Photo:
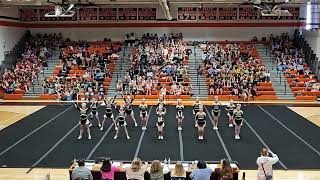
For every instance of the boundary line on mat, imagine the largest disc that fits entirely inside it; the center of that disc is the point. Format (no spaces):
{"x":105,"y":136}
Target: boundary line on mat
{"x":263,"y":142}
{"x":32,"y":132}
{"x":141,"y":137}
{"x":101,"y":139}
{"x":51,"y":149}
{"x":220,"y":138}
{"x":293,"y":133}
{"x":181,"y":147}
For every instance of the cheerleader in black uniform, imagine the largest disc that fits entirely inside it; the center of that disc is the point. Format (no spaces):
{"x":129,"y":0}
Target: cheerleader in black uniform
{"x":179,"y":115}
{"x":129,"y":110}
{"x":94,"y":111}
{"x":143,"y":114}
{"x":196,"y":106}
{"x":122,"y":124}
{"x":161,"y":111}
{"x":109,"y":102}
{"x":238,"y":121}
{"x":161,"y":102}
{"x":84,"y":121}
{"x":216,"y":108}
{"x":230,"y":108}
{"x":201,"y":122}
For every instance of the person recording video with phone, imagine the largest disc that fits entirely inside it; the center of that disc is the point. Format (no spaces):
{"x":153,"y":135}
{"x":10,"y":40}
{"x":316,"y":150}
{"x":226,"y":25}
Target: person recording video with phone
{"x":265,"y":162}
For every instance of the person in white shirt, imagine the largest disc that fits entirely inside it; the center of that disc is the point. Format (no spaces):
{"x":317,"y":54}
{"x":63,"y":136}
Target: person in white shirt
{"x":265,"y":162}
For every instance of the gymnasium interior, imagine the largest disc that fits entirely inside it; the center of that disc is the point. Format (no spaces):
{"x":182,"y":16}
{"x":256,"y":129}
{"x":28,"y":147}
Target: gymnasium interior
{"x":136,"y":76}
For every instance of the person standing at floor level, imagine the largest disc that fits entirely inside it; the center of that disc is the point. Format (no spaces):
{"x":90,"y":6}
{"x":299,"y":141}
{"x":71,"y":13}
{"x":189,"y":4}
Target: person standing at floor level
{"x":216,"y":108}
{"x":265,"y":162}
{"x":238,"y":121}
{"x":201,"y":122}
{"x":129,"y":110}
{"x":84,"y":121}
{"x":110,"y":104}
{"x":143,"y":114}
{"x":122,"y":124}
{"x":161,"y":111}
{"x":196,"y":106}
{"x":230,"y":108}
{"x":179,"y":115}
{"x":94,"y":111}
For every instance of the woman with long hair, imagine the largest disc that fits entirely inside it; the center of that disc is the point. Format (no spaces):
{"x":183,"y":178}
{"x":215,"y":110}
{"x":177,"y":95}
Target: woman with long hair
{"x":179,"y":115}
{"x":265,"y":161}
{"x":216,"y":108}
{"x":225,"y":172}
{"x":107,"y":170}
{"x":230,"y":108}
{"x":136,"y":170}
{"x":237,"y":121}
{"x":143,"y":114}
{"x":129,"y":109}
{"x":156,"y":170}
{"x":196,"y":107}
{"x":110,"y":104}
{"x":84,"y":121}
{"x":94,"y":111}
{"x":178,"y":172}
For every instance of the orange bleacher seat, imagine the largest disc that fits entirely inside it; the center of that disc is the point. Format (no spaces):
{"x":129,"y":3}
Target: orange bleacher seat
{"x":306,"y":98}
{"x":266,"y":93}
{"x":266,"y":97}
{"x":264,"y":84}
{"x":12,"y":96}
{"x":265,"y":88}
{"x":48,"y":96}
{"x":311,"y":93}
{"x":19,"y":91}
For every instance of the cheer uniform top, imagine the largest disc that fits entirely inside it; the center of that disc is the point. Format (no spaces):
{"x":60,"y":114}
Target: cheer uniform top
{"x":94,"y":108}
{"x":179,"y":111}
{"x":143,"y":109}
{"x":196,"y":107}
{"x":128,"y":107}
{"x":216,"y":109}
{"x":238,"y":117}
{"x":160,"y":121}
{"x":230,"y":109}
{"x":201,"y":118}
{"x":122,"y":119}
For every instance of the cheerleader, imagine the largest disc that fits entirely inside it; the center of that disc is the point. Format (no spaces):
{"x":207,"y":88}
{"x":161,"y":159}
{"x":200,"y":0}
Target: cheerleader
{"x":161,"y":101}
{"x":129,"y":110}
{"x":216,"y":112}
{"x":230,"y":108}
{"x":179,"y":115}
{"x":109,"y":102}
{"x":122,"y":124}
{"x":84,"y":122}
{"x":143,"y":114}
{"x":201,"y":122}
{"x":94,"y":111}
{"x":196,"y":106}
{"x":161,"y":111}
{"x":237,"y":121}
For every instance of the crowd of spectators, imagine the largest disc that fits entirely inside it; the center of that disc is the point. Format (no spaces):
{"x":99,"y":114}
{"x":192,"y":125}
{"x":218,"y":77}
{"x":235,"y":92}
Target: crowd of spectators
{"x":83,"y":68}
{"x":232,"y":70}
{"x":291,"y":61}
{"x":157,"y":63}
{"x":32,"y":60}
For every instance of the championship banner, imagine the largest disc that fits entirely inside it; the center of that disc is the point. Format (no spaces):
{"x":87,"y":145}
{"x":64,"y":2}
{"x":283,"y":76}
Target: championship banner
{"x":248,"y":13}
{"x":207,"y":14}
{"x":108,"y":14}
{"x":44,"y":11}
{"x":28,"y":14}
{"x":88,"y":14}
{"x":187,"y":14}
{"x":228,"y":13}
{"x":295,"y":11}
{"x":126,"y":14}
{"x":147,"y":13}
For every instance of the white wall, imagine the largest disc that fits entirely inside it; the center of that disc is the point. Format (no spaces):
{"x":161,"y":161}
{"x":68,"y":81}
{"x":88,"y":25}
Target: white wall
{"x":189,"y":33}
{"x":9,"y":36}
{"x":313,"y":38}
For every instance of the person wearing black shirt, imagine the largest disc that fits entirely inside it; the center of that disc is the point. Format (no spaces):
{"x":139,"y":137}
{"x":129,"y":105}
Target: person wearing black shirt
{"x":201,"y":122}
{"x":129,"y":109}
{"x":143,"y":114}
{"x":179,"y":115}
{"x":110,"y":104}
{"x":237,"y":121}
{"x":84,"y":121}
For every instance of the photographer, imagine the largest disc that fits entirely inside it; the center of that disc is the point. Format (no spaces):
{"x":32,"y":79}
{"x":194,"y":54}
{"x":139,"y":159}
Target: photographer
{"x":265,"y":162}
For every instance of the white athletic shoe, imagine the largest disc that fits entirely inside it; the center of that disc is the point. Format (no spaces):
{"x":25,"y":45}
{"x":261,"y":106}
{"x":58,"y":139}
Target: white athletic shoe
{"x":235,"y":137}
{"x":101,"y":129}
{"x":99,"y":125}
{"x":80,"y":137}
{"x":196,"y":125}
{"x":115,"y":137}
{"x":179,"y":128}
{"x":89,"y":137}
{"x":159,"y":137}
{"x":144,"y":128}
{"x":116,"y":128}
{"x":238,"y":137}
{"x":135,"y":124}
{"x":128,"y":137}
{"x":90,"y":124}
{"x":230,"y":125}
